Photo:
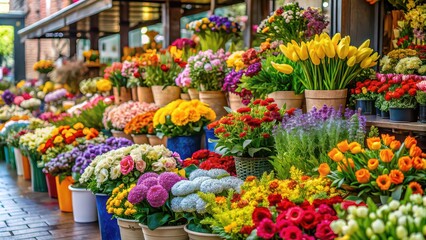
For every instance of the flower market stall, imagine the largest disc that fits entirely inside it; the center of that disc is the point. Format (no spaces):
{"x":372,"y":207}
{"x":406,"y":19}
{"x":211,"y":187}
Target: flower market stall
{"x":207,"y":140}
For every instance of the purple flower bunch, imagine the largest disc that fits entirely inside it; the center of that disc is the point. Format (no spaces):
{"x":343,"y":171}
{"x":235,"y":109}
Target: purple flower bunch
{"x":84,"y":159}
{"x":8,"y":97}
{"x":55,"y":95}
{"x":63,"y":163}
{"x":153,"y":188}
{"x":231,"y":81}
{"x":223,"y":23}
{"x":316,"y":22}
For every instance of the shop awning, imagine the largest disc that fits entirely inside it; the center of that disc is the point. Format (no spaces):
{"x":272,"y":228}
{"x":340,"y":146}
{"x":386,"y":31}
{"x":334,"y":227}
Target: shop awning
{"x":66,"y":16}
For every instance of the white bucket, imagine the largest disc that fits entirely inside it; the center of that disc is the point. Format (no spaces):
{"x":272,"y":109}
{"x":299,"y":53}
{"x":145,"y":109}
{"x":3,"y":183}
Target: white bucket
{"x":84,"y":205}
{"x":18,"y":159}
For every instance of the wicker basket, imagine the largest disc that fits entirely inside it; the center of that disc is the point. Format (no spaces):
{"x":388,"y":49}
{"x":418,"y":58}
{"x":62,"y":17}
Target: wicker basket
{"x":252,"y":166}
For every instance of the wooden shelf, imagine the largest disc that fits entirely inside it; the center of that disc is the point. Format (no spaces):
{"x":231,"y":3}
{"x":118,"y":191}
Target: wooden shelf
{"x":386,"y":123}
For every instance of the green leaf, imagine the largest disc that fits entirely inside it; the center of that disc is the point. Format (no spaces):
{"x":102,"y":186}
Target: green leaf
{"x":157,"y":220}
{"x":190,"y":169}
{"x":397,"y":193}
{"x":229,"y":110}
{"x":246,"y":143}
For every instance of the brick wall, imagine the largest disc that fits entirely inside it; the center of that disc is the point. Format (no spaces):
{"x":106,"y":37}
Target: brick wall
{"x":44,"y":48}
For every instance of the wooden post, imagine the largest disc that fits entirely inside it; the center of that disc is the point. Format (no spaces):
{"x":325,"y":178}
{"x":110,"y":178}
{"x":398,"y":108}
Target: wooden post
{"x":124,"y":25}
{"x":171,"y":14}
{"x":257,"y":10}
{"x":213,"y":4}
{"x":94,"y":32}
{"x":73,"y":39}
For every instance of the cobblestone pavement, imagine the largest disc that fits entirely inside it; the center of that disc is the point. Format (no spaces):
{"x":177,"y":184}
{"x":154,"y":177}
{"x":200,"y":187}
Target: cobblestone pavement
{"x":31,"y":215}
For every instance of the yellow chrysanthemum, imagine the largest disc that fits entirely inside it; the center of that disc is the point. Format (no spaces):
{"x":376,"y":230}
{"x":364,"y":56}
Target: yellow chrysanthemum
{"x":58,"y":139}
{"x":179,"y":117}
{"x":78,"y":126}
{"x":193,"y":115}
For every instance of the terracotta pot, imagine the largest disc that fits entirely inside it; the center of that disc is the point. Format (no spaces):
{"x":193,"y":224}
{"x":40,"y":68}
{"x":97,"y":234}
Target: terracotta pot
{"x":145,"y":95}
{"x":123,"y":96}
{"x":64,"y":193}
{"x":287,"y":98}
{"x":130,"y":229}
{"x":235,"y":101}
{"x":118,"y":134}
{"x":216,"y":100}
{"x":185,"y":96}
{"x":154,"y":140}
{"x":161,"y":233}
{"x":201,"y":236}
{"x":162,"y":97}
{"x":331,"y":98}
{"x":140,"y":139}
{"x":134,"y":93}
{"x":193,"y":93}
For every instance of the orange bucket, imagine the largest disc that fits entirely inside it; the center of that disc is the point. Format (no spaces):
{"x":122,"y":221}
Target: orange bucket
{"x":26,"y":167}
{"x":64,"y":194}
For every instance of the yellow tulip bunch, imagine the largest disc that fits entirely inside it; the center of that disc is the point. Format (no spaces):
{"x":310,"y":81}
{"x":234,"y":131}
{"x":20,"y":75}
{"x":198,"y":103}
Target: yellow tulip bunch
{"x":328,"y":63}
{"x":183,"y":118}
{"x":43,"y":66}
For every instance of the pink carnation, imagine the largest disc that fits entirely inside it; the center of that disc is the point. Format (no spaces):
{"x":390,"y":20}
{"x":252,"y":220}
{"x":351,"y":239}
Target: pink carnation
{"x":266,"y":229}
{"x":127,"y":164}
{"x":422,"y":85}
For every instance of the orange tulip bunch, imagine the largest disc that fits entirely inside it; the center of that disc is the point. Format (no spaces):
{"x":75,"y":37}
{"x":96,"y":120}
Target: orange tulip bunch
{"x":386,"y":167}
{"x":141,"y":124}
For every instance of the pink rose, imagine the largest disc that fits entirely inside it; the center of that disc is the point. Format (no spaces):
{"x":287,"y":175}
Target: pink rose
{"x":127,"y":164}
{"x":141,"y":165}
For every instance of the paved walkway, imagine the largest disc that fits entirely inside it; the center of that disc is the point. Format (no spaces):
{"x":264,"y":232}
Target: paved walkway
{"x":30,"y":215}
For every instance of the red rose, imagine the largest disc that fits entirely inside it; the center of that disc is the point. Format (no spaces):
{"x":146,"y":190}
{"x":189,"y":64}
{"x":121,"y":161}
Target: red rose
{"x":259,"y":214}
{"x":412,"y":92}
{"x":309,"y":219}
{"x":357,"y":91}
{"x":136,"y":75}
{"x":274,"y":199}
{"x":188,"y":162}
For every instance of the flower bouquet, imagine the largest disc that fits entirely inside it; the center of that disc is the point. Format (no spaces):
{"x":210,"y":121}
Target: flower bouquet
{"x":95,"y":85}
{"x":204,"y":159}
{"x":91,"y":56}
{"x":187,"y":200}
{"x":304,"y":139}
{"x":402,"y":61}
{"x":291,"y":22}
{"x":140,"y":126}
{"x":119,"y":82}
{"x":152,"y":200}
{"x":365,"y":94}
{"x":385,"y":169}
{"x":182,"y":122}
{"x":214,"y":32}
{"x":262,"y":200}
{"x":125,"y":165}
{"x":44,"y":66}
{"x":398,"y":219}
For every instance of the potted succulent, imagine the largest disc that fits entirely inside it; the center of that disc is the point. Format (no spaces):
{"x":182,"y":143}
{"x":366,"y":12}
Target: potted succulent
{"x":182,"y":123}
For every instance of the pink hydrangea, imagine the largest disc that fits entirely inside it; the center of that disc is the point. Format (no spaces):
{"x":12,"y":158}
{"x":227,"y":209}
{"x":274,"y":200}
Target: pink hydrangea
{"x":126,"y":165}
{"x":147,"y":175}
{"x":168,"y":179}
{"x":149,"y":182}
{"x":137,"y":194}
{"x":157,"y":196}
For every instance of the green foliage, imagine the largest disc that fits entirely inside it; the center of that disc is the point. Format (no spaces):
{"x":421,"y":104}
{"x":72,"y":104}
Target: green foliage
{"x":421,"y":97}
{"x":374,"y":132}
{"x":91,"y":118}
{"x":6,"y":41}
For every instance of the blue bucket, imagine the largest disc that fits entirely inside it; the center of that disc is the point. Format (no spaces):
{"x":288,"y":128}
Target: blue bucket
{"x":184,"y":145}
{"x":107,"y":225}
{"x":210,"y":136}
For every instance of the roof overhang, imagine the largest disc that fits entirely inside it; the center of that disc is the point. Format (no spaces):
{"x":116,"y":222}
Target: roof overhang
{"x":64,"y":17}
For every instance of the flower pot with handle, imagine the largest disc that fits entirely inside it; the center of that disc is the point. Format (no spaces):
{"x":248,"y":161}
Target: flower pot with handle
{"x":422,"y":113}
{"x":193,"y":93}
{"x":51,"y":185}
{"x":145,"y":95}
{"x":121,"y":134}
{"x":107,"y":225}
{"x":154,"y":140}
{"x":367,"y":106}
{"x":134,"y":91}
{"x":162,"y":97}
{"x":122,"y":95}
{"x":84,"y":205}
{"x":162,"y":233}
{"x":201,"y":236}
{"x":184,"y":145}
{"x":331,"y":98}
{"x":216,"y":100}
{"x":38,"y":179}
{"x":235,"y":101}
{"x":64,"y":193}
{"x":130,"y":229}
{"x":18,"y":160}
{"x":140,"y":139}
{"x":287,"y":98}
{"x":247,"y":166}
{"x":402,"y":114}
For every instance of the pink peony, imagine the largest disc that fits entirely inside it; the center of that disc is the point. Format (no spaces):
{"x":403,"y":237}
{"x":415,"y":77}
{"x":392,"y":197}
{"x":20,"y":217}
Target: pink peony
{"x":141,"y":165}
{"x":127,"y":164}
{"x":290,"y":233}
{"x":266,"y":229}
{"x":157,"y":196}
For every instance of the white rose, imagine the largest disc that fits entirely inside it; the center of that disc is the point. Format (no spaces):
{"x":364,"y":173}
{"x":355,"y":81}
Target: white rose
{"x":115,"y":172}
{"x":102,"y":176}
{"x":157,"y":166}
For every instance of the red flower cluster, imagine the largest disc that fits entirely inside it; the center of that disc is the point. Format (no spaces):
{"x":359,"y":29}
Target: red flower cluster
{"x":207,"y":160}
{"x":250,"y":56}
{"x":397,"y":89}
{"x":295,"y":221}
{"x":367,"y":86}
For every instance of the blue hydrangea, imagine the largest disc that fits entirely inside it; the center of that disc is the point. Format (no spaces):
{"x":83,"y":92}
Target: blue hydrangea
{"x":216,"y":173}
{"x":198,"y":173}
{"x":189,"y":203}
{"x":183,"y":188}
{"x":198,"y":181}
{"x":201,"y":206}
{"x":176,"y":204}
{"x":211,"y":186}
{"x":231,"y":182}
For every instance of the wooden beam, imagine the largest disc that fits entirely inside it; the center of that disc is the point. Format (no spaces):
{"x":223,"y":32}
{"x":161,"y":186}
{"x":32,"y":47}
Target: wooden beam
{"x":94,"y":32}
{"x":145,"y":23}
{"x":124,"y":25}
{"x":171,"y":15}
{"x":248,"y":36}
{"x":73,"y":40}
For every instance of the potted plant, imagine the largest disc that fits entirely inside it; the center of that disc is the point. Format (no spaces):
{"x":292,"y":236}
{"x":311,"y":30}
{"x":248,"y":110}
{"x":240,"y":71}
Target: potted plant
{"x":140,"y":126}
{"x":43,"y":67}
{"x":187,"y":201}
{"x":83,"y":201}
{"x":214,"y":32}
{"x":152,"y":200}
{"x":161,"y":72}
{"x":205,"y":159}
{"x":339,"y":62}
{"x":291,"y":22}
{"x":117,"y":117}
{"x":123,"y":165}
{"x":421,"y":100}
{"x":119,"y":82}
{"x":364,"y":95}
{"x":182,"y":123}
{"x":188,"y":48}
{"x":246,"y":135}
{"x":384,"y":169}
{"x":207,"y":71}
